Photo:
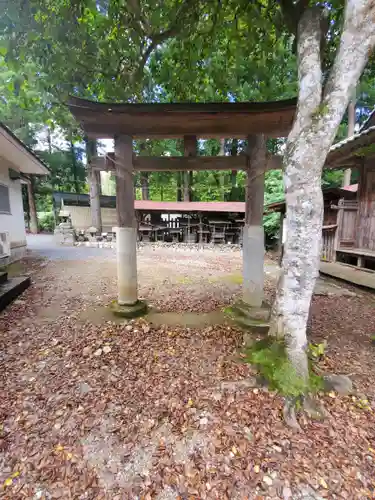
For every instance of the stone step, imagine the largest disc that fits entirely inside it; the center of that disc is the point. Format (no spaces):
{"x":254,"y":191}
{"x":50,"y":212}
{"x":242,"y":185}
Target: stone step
{"x":3,"y":277}
{"x":11,"y":289}
{"x":240,"y":309}
{"x":255,"y":326}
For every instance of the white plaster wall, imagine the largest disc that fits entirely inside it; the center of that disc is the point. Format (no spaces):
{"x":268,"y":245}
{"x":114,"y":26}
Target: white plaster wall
{"x":81,"y":217}
{"x":13,"y":223}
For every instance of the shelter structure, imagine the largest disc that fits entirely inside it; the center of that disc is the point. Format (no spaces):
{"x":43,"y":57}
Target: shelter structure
{"x":190,"y":221}
{"x":354,"y":237}
{"x":333,"y":197}
{"x":125,"y":122}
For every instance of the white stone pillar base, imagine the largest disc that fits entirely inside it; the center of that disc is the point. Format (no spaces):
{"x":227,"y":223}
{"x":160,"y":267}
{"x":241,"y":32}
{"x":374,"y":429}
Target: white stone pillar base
{"x":253,"y":265}
{"x":126,"y":243}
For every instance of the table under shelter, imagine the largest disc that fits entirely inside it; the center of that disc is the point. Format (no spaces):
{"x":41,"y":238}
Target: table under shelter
{"x":125,"y":122}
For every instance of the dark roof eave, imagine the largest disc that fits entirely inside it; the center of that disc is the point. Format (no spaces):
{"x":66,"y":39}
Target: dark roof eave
{"x":25,"y":146}
{"x":348,"y":148}
{"x":195,"y":107}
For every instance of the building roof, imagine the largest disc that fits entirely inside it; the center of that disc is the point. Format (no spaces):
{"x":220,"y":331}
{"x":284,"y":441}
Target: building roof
{"x":19,"y":156}
{"x":158,"y":206}
{"x":191,"y":206}
{"x":347,"y":192}
{"x":370,"y":122}
{"x":347,"y":149}
{"x":224,"y":119}
{"x":352,"y":187}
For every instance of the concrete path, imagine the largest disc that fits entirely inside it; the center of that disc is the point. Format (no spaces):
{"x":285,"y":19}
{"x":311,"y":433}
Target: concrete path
{"x":45,"y":246}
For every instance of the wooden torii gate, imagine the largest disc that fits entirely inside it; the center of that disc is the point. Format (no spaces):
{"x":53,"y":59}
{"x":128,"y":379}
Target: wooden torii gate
{"x":125,"y":122}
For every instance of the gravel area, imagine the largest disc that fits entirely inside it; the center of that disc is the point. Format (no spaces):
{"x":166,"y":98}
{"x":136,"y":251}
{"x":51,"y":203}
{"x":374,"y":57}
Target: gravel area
{"x":91,"y":408}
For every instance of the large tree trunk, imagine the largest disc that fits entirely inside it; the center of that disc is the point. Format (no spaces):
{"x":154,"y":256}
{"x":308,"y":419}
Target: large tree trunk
{"x":145,"y":186}
{"x":319,"y":113}
{"x":32,"y":208}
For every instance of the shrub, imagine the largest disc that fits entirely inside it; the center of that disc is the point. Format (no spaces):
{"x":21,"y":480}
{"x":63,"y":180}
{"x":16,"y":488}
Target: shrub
{"x":47,"y":222}
{"x":270,"y":358}
{"x":317,"y":351}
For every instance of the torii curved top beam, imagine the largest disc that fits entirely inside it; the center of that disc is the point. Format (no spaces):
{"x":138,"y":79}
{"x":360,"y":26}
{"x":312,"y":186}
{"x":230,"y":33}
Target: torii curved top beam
{"x":158,"y":120}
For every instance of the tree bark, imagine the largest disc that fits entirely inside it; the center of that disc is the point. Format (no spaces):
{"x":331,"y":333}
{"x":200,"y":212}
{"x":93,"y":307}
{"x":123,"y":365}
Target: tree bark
{"x":32,"y":208}
{"x":93,"y":178}
{"x":319,"y":113}
{"x":351,"y":124}
{"x":145,"y":186}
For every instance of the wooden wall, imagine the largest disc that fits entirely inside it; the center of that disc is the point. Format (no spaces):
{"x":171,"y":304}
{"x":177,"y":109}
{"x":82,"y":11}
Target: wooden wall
{"x":366,"y":214}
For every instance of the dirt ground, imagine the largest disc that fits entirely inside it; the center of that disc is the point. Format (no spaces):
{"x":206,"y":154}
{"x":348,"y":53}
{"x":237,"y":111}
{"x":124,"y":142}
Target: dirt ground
{"x":93,"y":408}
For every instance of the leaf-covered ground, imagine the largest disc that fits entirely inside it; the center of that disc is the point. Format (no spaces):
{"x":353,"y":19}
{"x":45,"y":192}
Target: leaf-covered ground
{"x":92,"y":409}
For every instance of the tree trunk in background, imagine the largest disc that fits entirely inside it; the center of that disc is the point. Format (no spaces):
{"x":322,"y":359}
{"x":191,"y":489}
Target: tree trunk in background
{"x":74,"y":165}
{"x":32,"y":208}
{"x":222,"y":174}
{"x":222,"y":147}
{"x":49,"y":140}
{"x":93,"y":177}
{"x":233,"y":174}
{"x":145,"y":186}
{"x":186,"y":177}
{"x":319,"y":113}
{"x":191,"y":182}
{"x":351,"y":125}
{"x":179,"y":186}
{"x":190,"y":149}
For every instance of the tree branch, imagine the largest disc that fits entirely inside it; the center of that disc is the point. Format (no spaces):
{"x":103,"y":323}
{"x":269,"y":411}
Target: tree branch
{"x":356,"y":44}
{"x":292,"y":13}
{"x":188,"y":6}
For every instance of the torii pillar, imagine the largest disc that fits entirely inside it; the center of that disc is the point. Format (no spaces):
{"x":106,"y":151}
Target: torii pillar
{"x":127,"y":303}
{"x":253,"y":232}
